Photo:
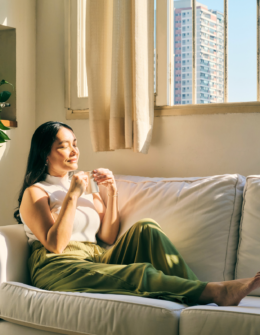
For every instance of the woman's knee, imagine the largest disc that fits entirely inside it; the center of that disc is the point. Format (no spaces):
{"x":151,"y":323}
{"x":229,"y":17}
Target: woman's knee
{"x":147,"y":222}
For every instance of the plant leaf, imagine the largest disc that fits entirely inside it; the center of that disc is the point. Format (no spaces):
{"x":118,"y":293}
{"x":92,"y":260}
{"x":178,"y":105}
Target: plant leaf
{"x":1,"y":140}
{"x":3,"y":82}
{"x":3,"y":136}
{"x":3,"y":127}
{"x":5,"y":95}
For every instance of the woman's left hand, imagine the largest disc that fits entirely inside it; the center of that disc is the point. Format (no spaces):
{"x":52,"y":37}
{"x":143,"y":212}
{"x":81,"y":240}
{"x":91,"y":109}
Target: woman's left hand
{"x":105,"y":177}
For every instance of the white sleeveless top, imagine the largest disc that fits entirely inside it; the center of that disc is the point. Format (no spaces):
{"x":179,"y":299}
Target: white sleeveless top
{"x":87,"y":220}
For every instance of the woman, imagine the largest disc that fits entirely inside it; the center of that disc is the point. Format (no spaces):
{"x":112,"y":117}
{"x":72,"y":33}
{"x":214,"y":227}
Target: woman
{"x":62,"y":224}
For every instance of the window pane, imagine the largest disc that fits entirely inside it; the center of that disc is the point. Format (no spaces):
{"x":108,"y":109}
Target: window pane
{"x":210,"y":52}
{"x":183,"y":52}
{"x":242,"y":57}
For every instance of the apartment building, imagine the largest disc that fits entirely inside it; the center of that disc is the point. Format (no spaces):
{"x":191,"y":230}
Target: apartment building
{"x":209,"y":54}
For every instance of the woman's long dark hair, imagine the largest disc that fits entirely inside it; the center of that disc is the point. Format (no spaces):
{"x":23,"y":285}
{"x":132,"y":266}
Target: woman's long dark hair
{"x":41,"y":144}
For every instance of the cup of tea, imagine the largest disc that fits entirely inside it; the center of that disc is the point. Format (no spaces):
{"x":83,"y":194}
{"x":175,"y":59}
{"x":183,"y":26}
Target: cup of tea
{"x":92,"y":184}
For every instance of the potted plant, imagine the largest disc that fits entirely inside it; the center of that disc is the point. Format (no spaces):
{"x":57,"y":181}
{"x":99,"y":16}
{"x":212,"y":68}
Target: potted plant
{"x":4,"y":96}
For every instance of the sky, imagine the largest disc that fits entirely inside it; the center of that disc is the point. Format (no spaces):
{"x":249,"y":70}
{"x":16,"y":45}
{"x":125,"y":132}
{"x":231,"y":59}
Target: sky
{"x":242,"y":55}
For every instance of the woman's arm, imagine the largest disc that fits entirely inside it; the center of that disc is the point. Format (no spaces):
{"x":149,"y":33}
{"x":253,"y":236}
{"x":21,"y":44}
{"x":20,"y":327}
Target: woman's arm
{"x":109,"y":215}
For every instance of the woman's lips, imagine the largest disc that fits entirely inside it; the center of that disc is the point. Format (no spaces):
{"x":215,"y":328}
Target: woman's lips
{"x":73,"y":160}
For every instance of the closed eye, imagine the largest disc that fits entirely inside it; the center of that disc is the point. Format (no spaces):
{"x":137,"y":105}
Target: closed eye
{"x":67,"y":147}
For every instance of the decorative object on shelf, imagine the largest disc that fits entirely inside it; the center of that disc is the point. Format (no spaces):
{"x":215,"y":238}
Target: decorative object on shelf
{"x":4,"y":96}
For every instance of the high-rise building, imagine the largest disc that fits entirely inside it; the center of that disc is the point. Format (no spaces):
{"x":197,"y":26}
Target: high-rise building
{"x":209,"y":53}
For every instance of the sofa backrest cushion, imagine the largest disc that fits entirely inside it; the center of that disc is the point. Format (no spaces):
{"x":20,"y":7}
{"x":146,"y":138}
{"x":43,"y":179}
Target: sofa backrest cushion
{"x":248,"y":253}
{"x":200,"y":216}
{"x":14,"y":253}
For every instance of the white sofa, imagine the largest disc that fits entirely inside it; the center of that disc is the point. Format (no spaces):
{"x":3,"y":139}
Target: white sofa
{"x":214,"y":222}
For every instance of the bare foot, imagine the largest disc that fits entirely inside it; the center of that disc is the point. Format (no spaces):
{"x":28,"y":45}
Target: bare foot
{"x":229,"y":293}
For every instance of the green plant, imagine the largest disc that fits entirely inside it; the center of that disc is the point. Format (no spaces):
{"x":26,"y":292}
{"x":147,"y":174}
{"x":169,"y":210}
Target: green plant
{"x":4,"y":96}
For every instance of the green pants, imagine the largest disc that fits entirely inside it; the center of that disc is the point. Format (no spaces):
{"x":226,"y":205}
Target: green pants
{"x":143,"y":262}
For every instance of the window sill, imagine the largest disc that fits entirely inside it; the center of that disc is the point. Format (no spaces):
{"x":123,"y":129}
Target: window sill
{"x":208,"y":109}
{"x":182,"y":110}
{"x":11,"y":124}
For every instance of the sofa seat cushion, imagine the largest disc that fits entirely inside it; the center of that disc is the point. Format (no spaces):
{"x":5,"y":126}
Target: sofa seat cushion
{"x":249,"y":237}
{"x":211,"y":319}
{"x":10,"y":328}
{"x":87,"y":313}
{"x":200,"y":215}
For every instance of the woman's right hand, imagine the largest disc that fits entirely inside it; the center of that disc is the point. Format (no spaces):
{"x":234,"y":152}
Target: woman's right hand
{"x":79,"y":183}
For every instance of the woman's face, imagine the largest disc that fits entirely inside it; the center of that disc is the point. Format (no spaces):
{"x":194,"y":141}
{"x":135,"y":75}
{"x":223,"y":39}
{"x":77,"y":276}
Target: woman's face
{"x":63,"y":150}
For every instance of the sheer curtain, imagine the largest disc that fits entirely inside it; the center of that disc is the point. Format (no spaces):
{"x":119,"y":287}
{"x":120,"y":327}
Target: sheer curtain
{"x":120,"y":73}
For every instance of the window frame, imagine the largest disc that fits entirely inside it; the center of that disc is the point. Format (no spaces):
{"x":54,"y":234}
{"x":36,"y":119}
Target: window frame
{"x":161,"y":101}
{"x":225,"y":104}
{"x":74,"y":38}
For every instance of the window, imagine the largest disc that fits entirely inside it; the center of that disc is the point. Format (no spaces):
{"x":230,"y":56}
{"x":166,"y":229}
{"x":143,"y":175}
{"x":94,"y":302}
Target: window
{"x":211,"y":59}
{"x":76,"y":96}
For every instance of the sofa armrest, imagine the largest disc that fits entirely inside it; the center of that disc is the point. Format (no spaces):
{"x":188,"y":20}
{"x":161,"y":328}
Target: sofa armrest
{"x":14,"y":253}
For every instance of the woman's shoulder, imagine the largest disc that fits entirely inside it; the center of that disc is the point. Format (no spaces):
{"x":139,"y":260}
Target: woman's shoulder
{"x":33,"y":193}
{"x":36,"y":188}
{"x":44,"y":186}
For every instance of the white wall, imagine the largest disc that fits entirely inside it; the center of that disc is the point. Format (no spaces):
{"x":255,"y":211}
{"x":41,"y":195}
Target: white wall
{"x":13,"y":154}
{"x":181,"y":145}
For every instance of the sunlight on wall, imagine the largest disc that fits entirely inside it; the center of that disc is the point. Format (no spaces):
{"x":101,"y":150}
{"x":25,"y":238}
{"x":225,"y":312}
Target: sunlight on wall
{"x":5,"y":22}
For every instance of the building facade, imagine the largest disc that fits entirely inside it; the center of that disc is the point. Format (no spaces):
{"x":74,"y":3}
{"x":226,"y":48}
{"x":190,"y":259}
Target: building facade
{"x":209,"y":54}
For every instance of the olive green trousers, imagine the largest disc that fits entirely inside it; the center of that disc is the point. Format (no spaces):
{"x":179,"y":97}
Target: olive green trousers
{"x":143,"y":262}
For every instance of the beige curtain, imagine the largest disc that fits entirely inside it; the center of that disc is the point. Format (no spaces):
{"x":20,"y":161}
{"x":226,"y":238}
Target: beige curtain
{"x":120,"y":73}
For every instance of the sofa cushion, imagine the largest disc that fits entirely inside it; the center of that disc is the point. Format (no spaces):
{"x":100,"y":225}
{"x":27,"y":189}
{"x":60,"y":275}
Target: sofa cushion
{"x":87,"y":313}
{"x":248,"y":253}
{"x":14,"y":253}
{"x":200,"y":215}
{"x":211,"y":319}
{"x":10,"y":328}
